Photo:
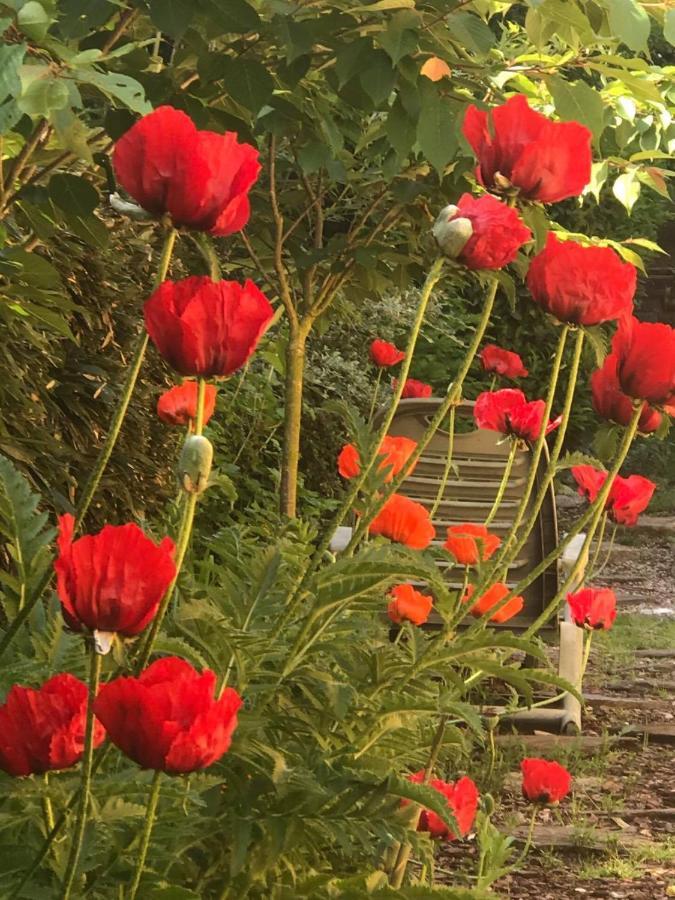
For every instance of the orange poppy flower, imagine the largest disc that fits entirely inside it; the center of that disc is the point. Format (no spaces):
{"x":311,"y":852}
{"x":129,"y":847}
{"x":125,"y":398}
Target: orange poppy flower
{"x":404,"y":521}
{"x":471,"y":544}
{"x":491,"y":598}
{"x":409,"y":605}
{"x":395,"y":450}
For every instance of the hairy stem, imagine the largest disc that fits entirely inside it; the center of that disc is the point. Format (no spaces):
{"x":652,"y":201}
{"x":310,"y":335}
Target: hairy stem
{"x":150,"y":812}
{"x":503,"y":483}
{"x":295,"y":372}
{"x":448,"y":462}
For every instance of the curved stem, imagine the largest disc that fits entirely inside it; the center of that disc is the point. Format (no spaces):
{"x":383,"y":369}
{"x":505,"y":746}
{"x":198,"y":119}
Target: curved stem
{"x":528,"y":841}
{"x":603,"y":526}
{"x":47,"y":807}
{"x":87,"y":757}
{"x":608,"y":555}
{"x":376,"y":391}
{"x":503,"y":483}
{"x":150,"y":811}
{"x":448,"y":462}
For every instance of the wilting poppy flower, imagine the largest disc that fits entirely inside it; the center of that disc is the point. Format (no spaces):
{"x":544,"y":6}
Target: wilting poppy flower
{"x":404,"y":521}
{"x":491,"y":598}
{"x":43,"y":729}
{"x":434,"y":69}
{"x":509,"y":412}
{"x":593,"y":607}
{"x":409,"y":605}
{"x":581,"y":285}
{"x":610,"y":402}
{"x":168,"y":718}
{"x":518,"y":147}
{"x":462,"y":800}
{"x":480,"y":232}
{"x":204,"y":327}
{"x":112,"y":581}
{"x":413,"y":389}
{"x":395,"y":450}
{"x":502,"y":362}
{"x":178,"y":405}
{"x":471,"y":544}
{"x":200,"y":178}
{"x":544,"y":781}
{"x":628,"y":497}
{"x":645,"y":360}
{"x":384,"y":354}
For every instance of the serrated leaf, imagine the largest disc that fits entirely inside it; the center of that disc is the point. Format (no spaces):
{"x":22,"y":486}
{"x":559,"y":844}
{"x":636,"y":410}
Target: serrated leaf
{"x":471,"y":31}
{"x":577,"y":458}
{"x":436,"y":130}
{"x":599,"y":341}
{"x":578,"y":102}
{"x":629,"y":23}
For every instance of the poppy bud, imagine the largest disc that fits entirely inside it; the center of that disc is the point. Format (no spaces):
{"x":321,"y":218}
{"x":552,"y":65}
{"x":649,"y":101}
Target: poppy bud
{"x":194,"y":465}
{"x":452,"y":231}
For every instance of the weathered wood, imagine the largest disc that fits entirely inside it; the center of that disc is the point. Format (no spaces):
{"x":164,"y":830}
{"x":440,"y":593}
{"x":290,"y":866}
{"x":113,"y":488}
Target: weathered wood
{"x":609,"y":700}
{"x":583,"y":743}
{"x":661,"y":813}
{"x":571,"y":836}
{"x":656,"y":654}
{"x":658,"y":733}
{"x":661,"y":684}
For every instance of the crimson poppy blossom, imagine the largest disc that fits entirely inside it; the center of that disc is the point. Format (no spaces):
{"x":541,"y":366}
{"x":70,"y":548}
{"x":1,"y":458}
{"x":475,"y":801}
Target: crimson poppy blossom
{"x":544,"y":781}
{"x":517,"y":147}
{"x":490,"y":599}
{"x":201,"y":179}
{"x":384,"y":354}
{"x":509,"y":412}
{"x":645,"y":361}
{"x":471,"y":544}
{"x":203,"y":327}
{"x":43,"y":729}
{"x":610,"y":402}
{"x":395,"y":450}
{"x":581,"y":285}
{"x":112,"y":581}
{"x":178,"y":405}
{"x":480,"y":232}
{"x":628,"y":497}
{"x":404,"y":521}
{"x":414,"y":390}
{"x":168,"y":718}
{"x":462,"y":799}
{"x":593,"y":607}
{"x":409,"y":605}
{"x":502,"y":362}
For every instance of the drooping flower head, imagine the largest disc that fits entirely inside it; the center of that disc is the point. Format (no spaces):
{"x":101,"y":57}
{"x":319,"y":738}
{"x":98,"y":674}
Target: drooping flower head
{"x":471,"y":544}
{"x":203,"y":327}
{"x":510,"y":412}
{"x":168,"y":718}
{"x":645,"y":360}
{"x":517,"y":147}
{"x":43,"y":729}
{"x":414,"y":390}
{"x":628,"y":497}
{"x":491,"y":598}
{"x":395,"y":450}
{"x":200,"y":178}
{"x":593,"y":607}
{"x":462,"y":798}
{"x":610,"y":402}
{"x":178,"y":405}
{"x":112,"y":581}
{"x":384,"y":354}
{"x":409,"y":605}
{"x":404,"y":521}
{"x":581,"y":285}
{"x":480,"y":232}
{"x":502,"y":362}
{"x":544,"y":781}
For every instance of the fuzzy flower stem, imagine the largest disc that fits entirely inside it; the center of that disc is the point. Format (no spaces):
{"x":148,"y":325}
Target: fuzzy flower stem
{"x":150,"y":812}
{"x":448,"y":462}
{"x":503,"y":483}
{"x":376,"y":391}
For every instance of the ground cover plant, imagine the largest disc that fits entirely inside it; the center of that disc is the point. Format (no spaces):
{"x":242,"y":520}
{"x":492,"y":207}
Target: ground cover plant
{"x":206,"y":704}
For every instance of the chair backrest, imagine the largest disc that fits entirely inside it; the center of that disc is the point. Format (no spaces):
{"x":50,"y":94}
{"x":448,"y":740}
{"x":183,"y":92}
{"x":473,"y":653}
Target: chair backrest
{"x":479,"y":458}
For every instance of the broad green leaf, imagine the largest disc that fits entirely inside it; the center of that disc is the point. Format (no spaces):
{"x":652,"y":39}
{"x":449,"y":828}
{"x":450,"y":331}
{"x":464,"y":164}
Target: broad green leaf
{"x":471,"y":31}
{"x":33,"y":20}
{"x":11,"y":57}
{"x":626,"y":189}
{"x":73,"y":194}
{"x":249,"y":83}
{"x":400,"y":37}
{"x":648,"y":245}
{"x":121,"y":87}
{"x":629,"y":23}
{"x":382,"y":6}
{"x":401,"y":130}
{"x":577,"y":102}
{"x":436,"y":130}
{"x":235,"y":16}
{"x":43,"y":95}
{"x":669,"y":26}
{"x":172,"y":16}
{"x":378,"y":77}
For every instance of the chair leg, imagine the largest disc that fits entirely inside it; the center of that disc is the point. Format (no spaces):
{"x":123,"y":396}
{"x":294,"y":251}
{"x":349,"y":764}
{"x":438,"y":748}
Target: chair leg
{"x":569,"y":668}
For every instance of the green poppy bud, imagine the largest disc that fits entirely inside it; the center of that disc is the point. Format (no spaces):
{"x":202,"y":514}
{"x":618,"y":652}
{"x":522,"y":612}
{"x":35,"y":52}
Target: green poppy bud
{"x":194,"y":466}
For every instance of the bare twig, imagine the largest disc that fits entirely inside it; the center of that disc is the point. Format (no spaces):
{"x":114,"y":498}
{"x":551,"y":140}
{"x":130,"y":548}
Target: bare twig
{"x":284,"y":287}
{"x":126,"y":18}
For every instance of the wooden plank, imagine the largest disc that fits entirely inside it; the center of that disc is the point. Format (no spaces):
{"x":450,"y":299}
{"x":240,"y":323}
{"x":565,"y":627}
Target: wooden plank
{"x":658,"y":733}
{"x":583,"y":743}
{"x":573,"y":836}
{"x":661,"y":813}
{"x":656,"y":654}
{"x":610,"y":701}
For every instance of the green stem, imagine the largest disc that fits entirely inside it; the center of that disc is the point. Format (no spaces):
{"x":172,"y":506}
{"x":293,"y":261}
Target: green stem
{"x":608,"y":555}
{"x":47,"y":807}
{"x":448,"y":462}
{"x":150,"y":811}
{"x":528,"y":841}
{"x":376,"y":391}
{"x":601,"y":536}
{"x":503,"y":483}
{"x":85,"y":790}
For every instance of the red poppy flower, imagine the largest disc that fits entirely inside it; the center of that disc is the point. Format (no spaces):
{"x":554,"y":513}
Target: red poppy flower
{"x":384,"y":354}
{"x":502,"y":362}
{"x":491,"y":598}
{"x":593,"y":607}
{"x":168,"y":718}
{"x":581,"y":285}
{"x":395,"y":450}
{"x":509,"y":412}
{"x":462,"y":799}
{"x":627,"y":498}
{"x":200,"y":178}
{"x":178,"y":405}
{"x":43,"y":729}
{"x":413,"y":389}
{"x":610,"y":402}
{"x":404,"y":521}
{"x":480,"y":232}
{"x":409,"y":605}
{"x":645,"y":360}
{"x":112,"y":581}
{"x":204,"y":327}
{"x":544,"y":781}
{"x":518,"y":147}
{"x":471,"y":544}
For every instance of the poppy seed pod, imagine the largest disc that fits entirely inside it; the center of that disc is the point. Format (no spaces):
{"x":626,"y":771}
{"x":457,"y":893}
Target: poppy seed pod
{"x":194,"y":465}
{"x":452,"y":231}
